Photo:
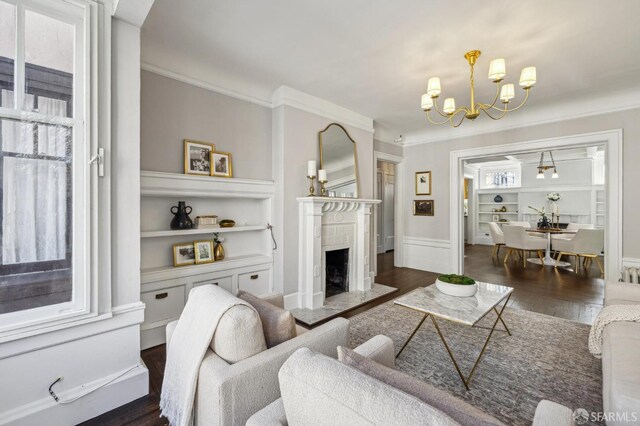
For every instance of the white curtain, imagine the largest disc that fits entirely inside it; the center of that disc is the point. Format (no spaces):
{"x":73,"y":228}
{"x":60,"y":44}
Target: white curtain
{"x":34,"y":198}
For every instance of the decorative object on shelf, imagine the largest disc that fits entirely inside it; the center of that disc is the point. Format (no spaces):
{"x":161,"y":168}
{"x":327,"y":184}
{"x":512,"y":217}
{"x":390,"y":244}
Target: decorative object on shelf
{"x":204,"y":251}
{"x":503,"y":209}
{"x":338,"y":156}
{"x":197,"y":157}
{"x":218,"y":249}
{"x":181,"y":219}
{"x":498,"y":198}
{"x":322,"y":178}
{"x":222,"y":166}
{"x":311,"y":175}
{"x":423,"y":207}
{"x":227,"y":223}
{"x":544,"y":167}
{"x":504,"y":220}
{"x":543,"y":223}
{"x":495,"y":218}
{"x":423,"y":183}
{"x":184,"y":254}
{"x":206,"y":222}
{"x":457,"y":285}
{"x":497,"y":71}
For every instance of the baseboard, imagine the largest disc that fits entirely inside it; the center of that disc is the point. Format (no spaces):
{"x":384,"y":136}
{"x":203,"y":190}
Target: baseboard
{"x":291,"y":301}
{"x":427,"y":254}
{"x":131,"y":386}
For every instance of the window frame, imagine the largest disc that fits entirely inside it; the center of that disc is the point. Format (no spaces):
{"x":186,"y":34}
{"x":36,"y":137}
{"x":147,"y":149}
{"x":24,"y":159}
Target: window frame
{"x":91,"y":198}
{"x":510,"y":167}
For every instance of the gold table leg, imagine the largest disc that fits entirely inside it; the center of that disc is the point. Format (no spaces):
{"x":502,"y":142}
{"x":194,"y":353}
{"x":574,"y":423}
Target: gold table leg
{"x":411,"y":337}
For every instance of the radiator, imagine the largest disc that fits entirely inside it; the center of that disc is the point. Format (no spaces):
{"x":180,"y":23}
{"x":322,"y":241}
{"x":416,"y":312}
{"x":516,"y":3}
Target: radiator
{"x":630,"y":274}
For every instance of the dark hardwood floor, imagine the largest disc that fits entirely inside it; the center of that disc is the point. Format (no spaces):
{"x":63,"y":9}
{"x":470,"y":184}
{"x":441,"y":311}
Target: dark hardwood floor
{"x":561,"y":293}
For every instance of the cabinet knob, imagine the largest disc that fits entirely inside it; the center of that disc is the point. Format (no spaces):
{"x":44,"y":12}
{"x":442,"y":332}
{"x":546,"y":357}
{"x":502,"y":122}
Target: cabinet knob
{"x":254,"y":277}
{"x":162,"y":295}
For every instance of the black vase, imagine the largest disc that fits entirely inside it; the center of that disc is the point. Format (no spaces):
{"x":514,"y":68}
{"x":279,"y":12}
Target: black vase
{"x":543,"y":223}
{"x":181,"y":219}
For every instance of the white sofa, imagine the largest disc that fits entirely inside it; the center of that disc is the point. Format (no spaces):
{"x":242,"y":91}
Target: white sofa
{"x":322,"y":391}
{"x":228,"y":394}
{"x":621,"y":356}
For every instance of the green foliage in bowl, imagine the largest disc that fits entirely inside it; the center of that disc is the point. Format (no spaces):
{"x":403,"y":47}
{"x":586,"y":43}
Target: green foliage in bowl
{"x":456,"y":279}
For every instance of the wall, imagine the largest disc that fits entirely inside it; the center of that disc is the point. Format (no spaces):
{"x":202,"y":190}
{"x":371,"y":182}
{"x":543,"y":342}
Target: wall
{"x":435,"y":157}
{"x":387,"y":148}
{"x":172,"y":111}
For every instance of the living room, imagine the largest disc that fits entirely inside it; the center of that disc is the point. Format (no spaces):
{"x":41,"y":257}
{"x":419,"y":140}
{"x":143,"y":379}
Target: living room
{"x":192,"y":210}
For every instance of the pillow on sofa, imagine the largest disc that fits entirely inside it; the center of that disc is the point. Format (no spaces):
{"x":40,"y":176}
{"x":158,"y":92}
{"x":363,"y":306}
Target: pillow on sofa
{"x":457,"y":409}
{"x":239,"y":334}
{"x":278,"y":325}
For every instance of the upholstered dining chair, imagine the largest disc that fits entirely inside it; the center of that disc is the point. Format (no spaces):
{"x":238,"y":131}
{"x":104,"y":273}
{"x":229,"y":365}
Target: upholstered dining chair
{"x":498,"y":238}
{"x":572,"y":227}
{"x":517,"y":239}
{"x":527,"y":225}
{"x":587,"y":243}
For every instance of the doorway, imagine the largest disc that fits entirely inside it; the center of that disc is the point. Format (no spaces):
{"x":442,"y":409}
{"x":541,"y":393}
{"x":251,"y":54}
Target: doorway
{"x":386,"y":187}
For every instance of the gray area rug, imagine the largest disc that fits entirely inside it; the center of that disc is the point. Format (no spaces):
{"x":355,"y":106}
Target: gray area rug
{"x":545,"y":358}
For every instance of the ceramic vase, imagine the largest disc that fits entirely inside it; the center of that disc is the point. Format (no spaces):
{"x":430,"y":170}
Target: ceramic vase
{"x":218,"y":252}
{"x":181,"y":219}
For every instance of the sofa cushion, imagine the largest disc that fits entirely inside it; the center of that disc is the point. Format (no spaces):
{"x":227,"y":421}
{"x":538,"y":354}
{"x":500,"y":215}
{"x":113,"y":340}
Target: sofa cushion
{"x":458,"y":410}
{"x":318,"y":390}
{"x":239,"y":334}
{"x":278,"y":325}
{"x":621,"y":367}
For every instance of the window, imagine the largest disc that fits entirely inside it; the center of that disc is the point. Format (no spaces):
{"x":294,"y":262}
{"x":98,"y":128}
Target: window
{"x":500,"y":177}
{"x":44,"y":162}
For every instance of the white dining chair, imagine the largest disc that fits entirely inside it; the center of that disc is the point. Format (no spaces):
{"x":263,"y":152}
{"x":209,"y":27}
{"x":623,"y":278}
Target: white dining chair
{"x":498,"y":238}
{"x":587,"y":243}
{"x":572,"y":227}
{"x":517,"y":239}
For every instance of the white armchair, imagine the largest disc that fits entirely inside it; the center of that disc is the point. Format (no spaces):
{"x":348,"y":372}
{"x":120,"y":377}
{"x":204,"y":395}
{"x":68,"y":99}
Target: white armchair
{"x":587,"y":243}
{"x":572,"y":227}
{"x":498,"y":238}
{"x":517,"y":239}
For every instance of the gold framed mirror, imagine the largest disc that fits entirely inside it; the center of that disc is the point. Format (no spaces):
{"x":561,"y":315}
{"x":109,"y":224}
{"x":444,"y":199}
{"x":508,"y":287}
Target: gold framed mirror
{"x":338,"y":157}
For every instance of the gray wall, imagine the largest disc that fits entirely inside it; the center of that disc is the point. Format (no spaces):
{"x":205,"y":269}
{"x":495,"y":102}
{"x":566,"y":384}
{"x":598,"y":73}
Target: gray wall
{"x":387,"y":148}
{"x":435,"y":157}
{"x":172,"y":111}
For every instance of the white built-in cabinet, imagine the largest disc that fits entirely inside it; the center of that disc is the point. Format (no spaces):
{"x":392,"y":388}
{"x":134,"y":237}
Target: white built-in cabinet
{"x":248,"y":264}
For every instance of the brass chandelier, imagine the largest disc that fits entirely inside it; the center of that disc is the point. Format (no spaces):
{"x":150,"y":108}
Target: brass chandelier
{"x":505,"y":92}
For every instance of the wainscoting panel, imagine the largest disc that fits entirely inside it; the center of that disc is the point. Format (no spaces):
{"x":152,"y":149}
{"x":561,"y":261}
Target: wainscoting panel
{"x":427,"y":254}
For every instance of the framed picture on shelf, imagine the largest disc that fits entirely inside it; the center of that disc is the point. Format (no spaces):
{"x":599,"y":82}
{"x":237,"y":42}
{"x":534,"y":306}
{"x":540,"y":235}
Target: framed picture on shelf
{"x":221,"y":162}
{"x":495,"y":218}
{"x":197,"y":157}
{"x":203,"y":251}
{"x":184,"y":254}
{"x":423,"y":207}
{"x":423,"y":183}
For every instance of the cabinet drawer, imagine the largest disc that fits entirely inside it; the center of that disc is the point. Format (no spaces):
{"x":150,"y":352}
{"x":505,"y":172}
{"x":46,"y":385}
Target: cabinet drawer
{"x":224,"y":282}
{"x":256,"y":282}
{"x":163,"y":304}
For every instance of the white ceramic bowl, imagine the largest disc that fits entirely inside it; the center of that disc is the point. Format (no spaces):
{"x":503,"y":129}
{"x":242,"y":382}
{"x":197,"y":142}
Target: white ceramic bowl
{"x":457,"y":290}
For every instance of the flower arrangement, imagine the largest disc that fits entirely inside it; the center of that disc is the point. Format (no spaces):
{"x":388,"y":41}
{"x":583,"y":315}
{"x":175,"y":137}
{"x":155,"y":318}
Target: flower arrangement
{"x":554,"y":196}
{"x":541,"y":211}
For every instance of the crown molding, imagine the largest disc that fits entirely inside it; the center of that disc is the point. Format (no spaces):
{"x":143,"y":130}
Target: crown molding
{"x":132,"y":11}
{"x":552,"y":113}
{"x":203,"y":84}
{"x":286,"y":96}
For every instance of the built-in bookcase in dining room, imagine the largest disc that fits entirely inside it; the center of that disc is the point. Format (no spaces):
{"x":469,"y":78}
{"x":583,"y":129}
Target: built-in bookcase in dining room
{"x":248,"y":262}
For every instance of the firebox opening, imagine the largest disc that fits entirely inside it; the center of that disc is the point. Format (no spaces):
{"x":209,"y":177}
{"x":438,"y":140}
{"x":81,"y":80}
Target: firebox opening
{"x":337,"y":272}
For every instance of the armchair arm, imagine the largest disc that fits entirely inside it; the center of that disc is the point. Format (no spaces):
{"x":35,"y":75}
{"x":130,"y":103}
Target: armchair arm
{"x":229,"y":394}
{"x":552,"y":414}
{"x":621,"y":291}
{"x":380,"y":349}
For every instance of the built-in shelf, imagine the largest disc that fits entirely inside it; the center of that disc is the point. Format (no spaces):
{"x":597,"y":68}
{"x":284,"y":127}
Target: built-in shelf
{"x":494,"y":203}
{"x":512,"y":213}
{"x":180,"y":232}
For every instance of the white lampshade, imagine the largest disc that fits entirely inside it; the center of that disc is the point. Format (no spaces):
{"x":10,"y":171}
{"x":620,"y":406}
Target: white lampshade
{"x":555,"y":174}
{"x":540,"y":175}
{"x":528,"y":77}
{"x":427,"y":102}
{"x":449,"y":106}
{"x":497,"y":70}
{"x":433,"y":87}
{"x":507,"y":93}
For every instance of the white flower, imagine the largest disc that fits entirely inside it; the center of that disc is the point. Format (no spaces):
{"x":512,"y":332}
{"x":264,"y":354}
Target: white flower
{"x":554,"y":196}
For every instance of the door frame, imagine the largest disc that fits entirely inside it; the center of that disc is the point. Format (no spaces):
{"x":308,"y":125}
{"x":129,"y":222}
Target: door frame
{"x":612,"y":141}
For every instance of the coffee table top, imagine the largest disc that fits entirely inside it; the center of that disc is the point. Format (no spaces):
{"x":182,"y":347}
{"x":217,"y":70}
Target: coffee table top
{"x":465,"y":310}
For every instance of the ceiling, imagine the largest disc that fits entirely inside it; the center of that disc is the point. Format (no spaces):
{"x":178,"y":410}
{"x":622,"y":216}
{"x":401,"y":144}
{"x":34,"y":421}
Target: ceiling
{"x":375,"y":56}
{"x":565,"y":154}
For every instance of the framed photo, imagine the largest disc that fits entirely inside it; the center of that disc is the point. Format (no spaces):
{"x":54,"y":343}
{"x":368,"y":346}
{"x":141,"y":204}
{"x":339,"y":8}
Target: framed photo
{"x":204,"y":251}
{"x":423,"y":207}
{"x":197,"y":157}
{"x":423,"y":183}
{"x":184,"y":254}
{"x":495,"y":218}
{"x":221,"y":162}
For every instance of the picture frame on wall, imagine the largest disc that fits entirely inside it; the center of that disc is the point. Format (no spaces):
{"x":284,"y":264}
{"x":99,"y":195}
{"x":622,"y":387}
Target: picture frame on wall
{"x":423,"y":207}
{"x":203,"y":251}
{"x":184,"y":254}
{"x":221,"y":162}
{"x":423,"y":183}
{"x":197,"y":157}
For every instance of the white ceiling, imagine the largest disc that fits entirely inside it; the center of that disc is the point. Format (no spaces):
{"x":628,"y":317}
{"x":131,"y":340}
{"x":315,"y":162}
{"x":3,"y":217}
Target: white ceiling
{"x":375,"y":56}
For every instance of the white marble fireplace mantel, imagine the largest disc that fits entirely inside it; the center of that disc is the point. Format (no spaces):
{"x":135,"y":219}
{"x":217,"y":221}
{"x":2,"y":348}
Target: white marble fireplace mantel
{"x":328,"y":224}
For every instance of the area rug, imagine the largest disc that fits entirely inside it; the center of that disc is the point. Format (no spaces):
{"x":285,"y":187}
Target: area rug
{"x":545,"y":358}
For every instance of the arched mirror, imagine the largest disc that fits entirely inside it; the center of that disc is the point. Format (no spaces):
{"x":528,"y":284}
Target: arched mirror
{"x":338,"y":157}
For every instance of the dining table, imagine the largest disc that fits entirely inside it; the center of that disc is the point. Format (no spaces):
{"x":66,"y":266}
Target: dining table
{"x":548,"y":260}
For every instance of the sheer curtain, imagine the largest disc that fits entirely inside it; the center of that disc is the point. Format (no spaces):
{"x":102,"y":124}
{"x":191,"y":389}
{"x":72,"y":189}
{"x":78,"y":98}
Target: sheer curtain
{"x":34,"y":189}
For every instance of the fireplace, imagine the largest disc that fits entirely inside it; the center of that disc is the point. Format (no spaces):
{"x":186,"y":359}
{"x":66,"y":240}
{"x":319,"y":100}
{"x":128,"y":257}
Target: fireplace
{"x":336,"y":272}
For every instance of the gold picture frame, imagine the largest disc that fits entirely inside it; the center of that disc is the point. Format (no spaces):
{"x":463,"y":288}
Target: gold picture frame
{"x":222,"y":164}
{"x":423,"y":208}
{"x":184,"y":254}
{"x":197,"y":157}
{"x":203,"y":251}
{"x":423,"y":183}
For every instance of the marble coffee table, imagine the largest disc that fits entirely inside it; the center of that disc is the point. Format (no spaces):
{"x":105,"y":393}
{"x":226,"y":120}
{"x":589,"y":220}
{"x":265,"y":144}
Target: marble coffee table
{"x":463,"y":310}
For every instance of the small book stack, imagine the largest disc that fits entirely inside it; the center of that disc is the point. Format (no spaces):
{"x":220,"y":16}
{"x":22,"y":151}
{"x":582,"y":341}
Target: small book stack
{"x":205,"y":222}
